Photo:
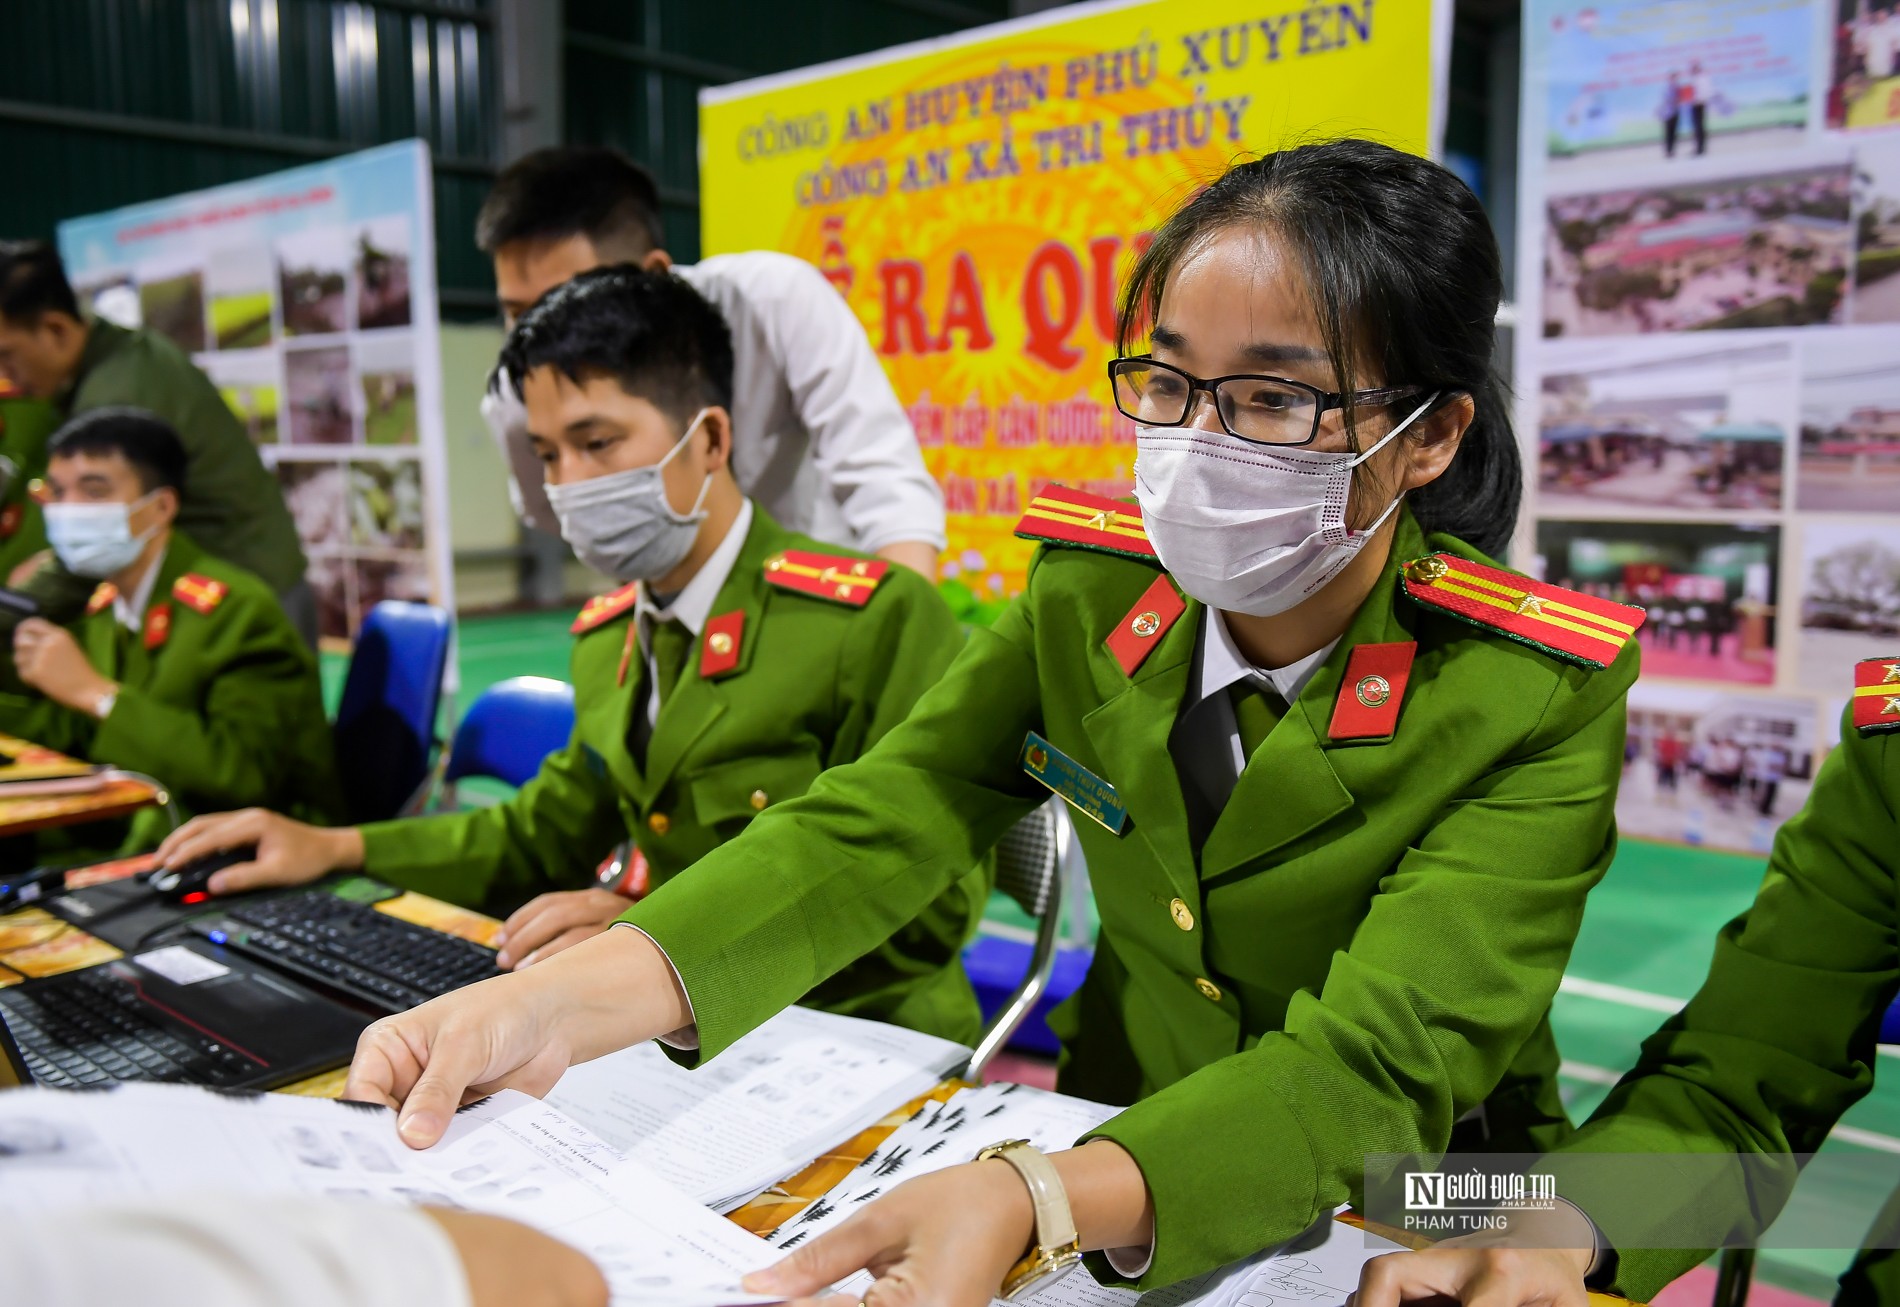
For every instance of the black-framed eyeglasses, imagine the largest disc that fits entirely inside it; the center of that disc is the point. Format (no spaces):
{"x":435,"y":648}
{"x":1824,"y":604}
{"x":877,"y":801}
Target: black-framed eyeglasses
{"x":1266,"y":410}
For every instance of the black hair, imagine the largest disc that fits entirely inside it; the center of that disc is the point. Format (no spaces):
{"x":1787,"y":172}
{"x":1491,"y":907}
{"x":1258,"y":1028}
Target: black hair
{"x":33,"y":283}
{"x":1404,"y":275}
{"x":650,"y":331}
{"x":145,"y":440}
{"x":574,"y":190}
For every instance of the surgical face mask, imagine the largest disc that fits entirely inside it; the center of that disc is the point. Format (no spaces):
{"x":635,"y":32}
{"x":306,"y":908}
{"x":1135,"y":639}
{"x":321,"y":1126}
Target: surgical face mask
{"x":621,"y":524}
{"x":1250,"y":528}
{"x":95,"y":540}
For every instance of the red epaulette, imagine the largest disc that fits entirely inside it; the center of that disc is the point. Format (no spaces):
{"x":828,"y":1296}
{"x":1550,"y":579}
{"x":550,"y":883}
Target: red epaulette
{"x":829,"y":576}
{"x":1060,"y":515}
{"x":1877,"y":695}
{"x":8,"y":390}
{"x":1578,"y":627}
{"x":102,"y":598}
{"x":201,"y":594}
{"x":602,"y":609}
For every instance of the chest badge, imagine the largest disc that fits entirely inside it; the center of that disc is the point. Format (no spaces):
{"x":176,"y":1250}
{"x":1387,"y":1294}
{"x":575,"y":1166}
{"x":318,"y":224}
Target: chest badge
{"x":1142,"y":626}
{"x":1079,"y":787}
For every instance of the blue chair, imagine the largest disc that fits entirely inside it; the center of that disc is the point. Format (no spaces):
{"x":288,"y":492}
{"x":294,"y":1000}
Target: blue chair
{"x":385,"y":725}
{"x":509,"y":729}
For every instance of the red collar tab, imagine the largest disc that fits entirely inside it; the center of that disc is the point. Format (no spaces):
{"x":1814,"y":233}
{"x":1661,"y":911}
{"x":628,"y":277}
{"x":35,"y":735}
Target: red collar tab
{"x":602,"y":609}
{"x":1373,"y":692}
{"x":719,"y":646}
{"x":1576,"y":627}
{"x":1059,"y":515}
{"x":1142,"y":626}
{"x":837,"y":577}
{"x":1877,"y":695}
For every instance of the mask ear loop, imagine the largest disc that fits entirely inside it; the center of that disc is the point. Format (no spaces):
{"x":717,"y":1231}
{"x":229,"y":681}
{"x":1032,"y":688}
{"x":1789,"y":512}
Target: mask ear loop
{"x":1385,"y":440}
{"x":693,"y":514}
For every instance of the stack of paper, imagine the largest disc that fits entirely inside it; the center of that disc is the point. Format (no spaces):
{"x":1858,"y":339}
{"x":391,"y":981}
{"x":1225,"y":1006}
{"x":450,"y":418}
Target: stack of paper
{"x":802,"y":1083}
{"x":510,"y":1155}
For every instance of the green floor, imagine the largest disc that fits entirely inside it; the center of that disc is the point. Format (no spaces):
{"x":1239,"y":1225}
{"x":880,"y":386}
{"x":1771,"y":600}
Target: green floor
{"x":1648,"y":931}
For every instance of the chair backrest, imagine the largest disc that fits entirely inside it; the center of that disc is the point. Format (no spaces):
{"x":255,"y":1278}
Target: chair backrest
{"x":510,"y":728}
{"x":1030,"y":859}
{"x":385,"y":724}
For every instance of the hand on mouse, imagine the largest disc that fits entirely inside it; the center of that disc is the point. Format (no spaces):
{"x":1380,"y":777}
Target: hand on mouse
{"x":288,"y":852}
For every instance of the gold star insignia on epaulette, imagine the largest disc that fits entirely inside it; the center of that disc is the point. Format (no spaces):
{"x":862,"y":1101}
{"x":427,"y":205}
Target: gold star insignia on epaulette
{"x":1531,"y":604}
{"x":1892,"y":706}
{"x":1893,"y":674}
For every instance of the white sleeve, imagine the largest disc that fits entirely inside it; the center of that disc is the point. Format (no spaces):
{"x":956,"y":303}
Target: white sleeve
{"x":507,"y":419}
{"x":861,"y":439}
{"x":220,"y":1251}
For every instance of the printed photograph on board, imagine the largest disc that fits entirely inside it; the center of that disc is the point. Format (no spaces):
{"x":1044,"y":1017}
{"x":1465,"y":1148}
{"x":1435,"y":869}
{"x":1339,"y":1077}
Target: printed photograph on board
{"x":1634,"y":81}
{"x":1714,"y":767}
{"x":239,"y":284}
{"x":386,"y":503}
{"x":172,"y":303}
{"x":318,"y":495}
{"x":1763,"y":250}
{"x":248,"y":382}
{"x":402,"y":576}
{"x":1850,"y":597}
{"x":313,"y":281}
{"x":1710,"y":589}
{"x":321,"y":395}
{"x":1849,"y":456}
{"x":1689,"y":423}
{"x":1864,"y":72}
{"x":385,"y":367}
{"x":333,"y":577}
{"x":382,"y":273}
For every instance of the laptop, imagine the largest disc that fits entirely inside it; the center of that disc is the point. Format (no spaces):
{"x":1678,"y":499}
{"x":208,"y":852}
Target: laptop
{"x":192,"y":1012}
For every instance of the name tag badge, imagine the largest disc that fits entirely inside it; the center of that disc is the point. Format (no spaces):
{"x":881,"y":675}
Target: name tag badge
{"x":1084,"y":791}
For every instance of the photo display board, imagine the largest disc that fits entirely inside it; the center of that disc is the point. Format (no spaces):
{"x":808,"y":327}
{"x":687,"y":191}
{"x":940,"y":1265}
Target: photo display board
{"x":1708,"y":374}
{"x":309,"y":298}
{"x":977,"y":200}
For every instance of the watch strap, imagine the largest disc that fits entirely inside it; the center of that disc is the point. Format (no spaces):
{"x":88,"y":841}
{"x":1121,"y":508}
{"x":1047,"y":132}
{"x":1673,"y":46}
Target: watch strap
{"x":1055,"y":1222}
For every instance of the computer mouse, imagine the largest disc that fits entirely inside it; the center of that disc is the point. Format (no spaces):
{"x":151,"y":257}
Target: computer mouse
{"x":190,"y":881}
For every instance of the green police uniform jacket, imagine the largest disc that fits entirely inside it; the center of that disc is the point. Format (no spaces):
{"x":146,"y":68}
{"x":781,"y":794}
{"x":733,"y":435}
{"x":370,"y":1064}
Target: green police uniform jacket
{"x":218,"y":696}
{"x":232,"y":506}
{"x":1370,"y":939}
{"x":1777,"y":1044}
{"x":781,"y":686}
{"x":25,"y":427}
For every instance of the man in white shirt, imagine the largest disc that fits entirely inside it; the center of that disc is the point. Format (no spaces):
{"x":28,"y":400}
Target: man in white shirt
{"x":819,"y":437}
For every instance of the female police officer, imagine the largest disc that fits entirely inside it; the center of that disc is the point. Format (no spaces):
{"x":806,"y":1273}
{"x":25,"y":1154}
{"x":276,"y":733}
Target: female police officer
{"x":1351,"y":783}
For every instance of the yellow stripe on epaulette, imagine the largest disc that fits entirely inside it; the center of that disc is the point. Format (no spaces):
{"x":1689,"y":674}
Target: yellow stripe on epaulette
{"x":201,"y":594}
{"x":836,"y":577}
{"x":602,"y":609}
{"x":1061,"y":515}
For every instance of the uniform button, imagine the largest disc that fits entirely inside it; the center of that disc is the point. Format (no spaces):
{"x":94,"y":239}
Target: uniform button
{"x":659,"y":824}
{"x":759,"y":800}
{"x":1209,"y":990}
{"x":1182,"y":916}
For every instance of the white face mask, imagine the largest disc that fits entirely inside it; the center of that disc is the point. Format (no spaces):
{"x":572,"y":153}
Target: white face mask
{"x":1250,"y":528}
{"x":621,"y":524}
{"x":95,"y":540}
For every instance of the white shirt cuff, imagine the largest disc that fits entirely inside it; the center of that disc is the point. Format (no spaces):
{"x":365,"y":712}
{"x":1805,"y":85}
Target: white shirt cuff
{"x":686,"y":1038}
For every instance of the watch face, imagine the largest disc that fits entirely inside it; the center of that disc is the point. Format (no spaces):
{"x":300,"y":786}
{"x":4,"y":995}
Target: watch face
{"x":1037,"y":1272}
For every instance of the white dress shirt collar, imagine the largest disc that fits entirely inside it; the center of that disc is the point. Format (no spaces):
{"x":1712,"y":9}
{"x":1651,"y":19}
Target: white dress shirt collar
{"x":130,"y":609}
{"x":1222,"y":663}
{"x":692,"y":606}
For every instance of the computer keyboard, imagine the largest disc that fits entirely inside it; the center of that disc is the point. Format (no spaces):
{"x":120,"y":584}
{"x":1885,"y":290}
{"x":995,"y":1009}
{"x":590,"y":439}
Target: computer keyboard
{"x":89,"y":1029}
{"x":352,"y":947}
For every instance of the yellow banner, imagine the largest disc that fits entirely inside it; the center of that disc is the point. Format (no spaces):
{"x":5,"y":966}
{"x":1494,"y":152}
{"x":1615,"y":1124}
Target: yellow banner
{"x":978,"y":199}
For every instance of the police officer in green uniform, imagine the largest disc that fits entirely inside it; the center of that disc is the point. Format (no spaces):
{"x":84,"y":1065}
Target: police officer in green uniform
{"x":183,"y":666}
{"x":25,"y":426}
{"x":236,"y":510}
{"x":740,"y":662}
{"x":1774,"y":1048}
{"x":1350,"y":782}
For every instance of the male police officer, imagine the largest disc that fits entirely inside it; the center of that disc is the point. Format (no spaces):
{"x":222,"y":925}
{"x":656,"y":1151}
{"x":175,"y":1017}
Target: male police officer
{"x":820,"y":440}
{"x":50,"y":350}
{"x":740,"y":662}
{"x":183,"y":666}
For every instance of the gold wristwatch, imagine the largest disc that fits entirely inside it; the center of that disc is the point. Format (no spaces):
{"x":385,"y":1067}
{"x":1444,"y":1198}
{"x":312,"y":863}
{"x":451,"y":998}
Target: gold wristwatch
{"x":1056,"y":1250}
